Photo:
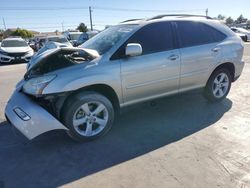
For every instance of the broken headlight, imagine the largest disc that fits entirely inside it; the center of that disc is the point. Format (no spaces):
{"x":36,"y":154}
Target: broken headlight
{"x":35,"y":86}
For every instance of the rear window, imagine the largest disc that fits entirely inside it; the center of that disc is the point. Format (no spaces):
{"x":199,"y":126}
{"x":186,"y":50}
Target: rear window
{"x":57,"y":39}
{"x":14,"y":43}
{"x":195,"y":33}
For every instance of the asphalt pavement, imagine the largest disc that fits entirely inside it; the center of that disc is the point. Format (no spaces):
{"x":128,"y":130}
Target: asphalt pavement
{"x":180,"y":141}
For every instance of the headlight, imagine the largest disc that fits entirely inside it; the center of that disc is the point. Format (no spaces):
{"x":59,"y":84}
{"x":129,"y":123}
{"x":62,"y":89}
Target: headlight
{"x":35,"y":86}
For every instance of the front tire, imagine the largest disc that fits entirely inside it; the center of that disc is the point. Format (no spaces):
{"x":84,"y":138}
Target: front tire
{"x":218,"y":85}
{"x":88,"y":115}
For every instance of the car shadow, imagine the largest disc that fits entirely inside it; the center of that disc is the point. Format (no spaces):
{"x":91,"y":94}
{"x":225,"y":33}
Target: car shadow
{"x":53,"y":159}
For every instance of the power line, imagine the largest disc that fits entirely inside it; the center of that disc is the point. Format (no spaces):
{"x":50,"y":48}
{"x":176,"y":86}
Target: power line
{"x":144,"y":10}
{"x":81,"y":16}
{"x":59,"y":26}
{"x":24,"y":23}
{"x":41,"y":8}
{"x":95,"y":7}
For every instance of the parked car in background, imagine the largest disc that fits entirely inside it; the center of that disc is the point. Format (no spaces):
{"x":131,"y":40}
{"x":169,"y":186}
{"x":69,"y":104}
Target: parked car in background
{"x":54,"y":38}
{"x":242,"y":36}
{"x":80,"y":90}
{"x":59,"y":39}
{"x":14,"y":50}
{"x":242,"y":31}
{"x":72,"y":36}
{"x":47,"y":46}
{"x":85,"y":36}
{"x":39,"y":42}
{"x":32,"y":43}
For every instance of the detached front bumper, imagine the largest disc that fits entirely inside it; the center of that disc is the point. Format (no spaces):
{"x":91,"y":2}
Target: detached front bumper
{"x":28,"y":117}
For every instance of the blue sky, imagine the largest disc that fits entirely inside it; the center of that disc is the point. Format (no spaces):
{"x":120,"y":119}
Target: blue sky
{"x":21,"y":13}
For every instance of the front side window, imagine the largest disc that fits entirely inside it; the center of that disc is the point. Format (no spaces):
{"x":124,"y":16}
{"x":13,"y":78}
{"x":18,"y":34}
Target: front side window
{"x":196,"y":33}
{"x":156,"y":37}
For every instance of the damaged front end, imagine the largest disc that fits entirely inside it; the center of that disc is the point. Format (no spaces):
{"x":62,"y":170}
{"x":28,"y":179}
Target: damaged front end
{"x":30,"y":110}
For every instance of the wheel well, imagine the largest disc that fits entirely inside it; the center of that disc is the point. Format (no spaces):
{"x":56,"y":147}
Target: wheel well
{"x":103,"y":89}
{"x":229,"y":66}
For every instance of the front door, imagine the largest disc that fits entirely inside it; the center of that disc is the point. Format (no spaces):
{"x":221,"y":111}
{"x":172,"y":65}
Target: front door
{"x":155,"y":72}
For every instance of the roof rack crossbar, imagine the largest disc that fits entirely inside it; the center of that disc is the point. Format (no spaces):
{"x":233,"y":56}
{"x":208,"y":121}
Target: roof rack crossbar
{"x":177,"y":15}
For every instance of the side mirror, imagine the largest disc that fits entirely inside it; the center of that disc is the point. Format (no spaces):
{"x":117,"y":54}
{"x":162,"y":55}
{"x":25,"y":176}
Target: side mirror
{"x":133,"y":49}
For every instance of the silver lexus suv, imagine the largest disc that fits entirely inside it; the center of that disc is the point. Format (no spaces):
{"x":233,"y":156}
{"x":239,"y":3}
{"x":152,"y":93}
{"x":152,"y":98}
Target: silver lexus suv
{"x":81,"y":89}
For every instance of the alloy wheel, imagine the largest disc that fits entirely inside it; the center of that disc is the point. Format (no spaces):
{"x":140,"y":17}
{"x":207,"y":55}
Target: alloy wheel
{"x":90,"y":118}
{"x":220,"y":85}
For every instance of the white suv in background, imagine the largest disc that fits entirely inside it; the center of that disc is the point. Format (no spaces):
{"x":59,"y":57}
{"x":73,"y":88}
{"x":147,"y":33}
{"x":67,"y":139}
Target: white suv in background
{"x":15,"y":50}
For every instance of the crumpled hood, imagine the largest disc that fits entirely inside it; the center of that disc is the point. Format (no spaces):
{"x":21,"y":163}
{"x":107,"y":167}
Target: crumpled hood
{"x":53,"y":59}
{"x":15,"y":49}
{"x":50,"y":51}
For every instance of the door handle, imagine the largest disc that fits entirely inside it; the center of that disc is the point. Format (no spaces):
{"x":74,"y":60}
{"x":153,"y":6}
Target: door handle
{"x":216,"y":49}
{"x":173,"y":57}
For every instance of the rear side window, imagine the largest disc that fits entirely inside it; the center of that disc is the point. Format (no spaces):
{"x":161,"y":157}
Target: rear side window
{"x":153,"y":38}
{"x":195,"y":33}
{"x":217,"y":36}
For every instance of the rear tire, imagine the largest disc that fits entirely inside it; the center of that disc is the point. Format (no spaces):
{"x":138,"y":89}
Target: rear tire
{"x":88,"y":116}
{"x":218,"y":85}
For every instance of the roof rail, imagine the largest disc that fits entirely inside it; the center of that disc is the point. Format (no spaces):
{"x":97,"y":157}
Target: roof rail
{"x":177,"y":15}
{"x":130,"y":20}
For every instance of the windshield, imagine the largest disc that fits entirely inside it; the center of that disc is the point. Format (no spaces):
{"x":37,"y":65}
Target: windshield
{"x":14,"y":43}
{"x":57,"y":39}
{"x":103,"y":41}
{"x":74,"y":36}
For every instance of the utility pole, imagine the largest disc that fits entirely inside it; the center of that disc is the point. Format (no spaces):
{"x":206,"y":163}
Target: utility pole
{"x":62,"y":27}
{"x":4,"y":24}
{"x":90,"y":18}
{"x":207,"y":12}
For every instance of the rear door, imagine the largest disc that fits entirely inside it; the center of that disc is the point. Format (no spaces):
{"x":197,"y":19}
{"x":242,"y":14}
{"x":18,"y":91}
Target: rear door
{"x":200,"y":50}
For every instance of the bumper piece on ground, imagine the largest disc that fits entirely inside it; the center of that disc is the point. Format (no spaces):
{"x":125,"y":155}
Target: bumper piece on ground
{"x":30,"y":118}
